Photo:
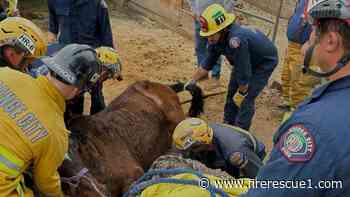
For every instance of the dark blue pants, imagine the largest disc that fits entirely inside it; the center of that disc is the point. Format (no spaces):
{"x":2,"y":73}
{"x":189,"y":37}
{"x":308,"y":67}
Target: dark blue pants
{"x":242,"y":117}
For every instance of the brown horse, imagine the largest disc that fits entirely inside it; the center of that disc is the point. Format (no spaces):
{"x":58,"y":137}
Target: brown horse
{"x":121,"y":142}
{"x":76,"y":179}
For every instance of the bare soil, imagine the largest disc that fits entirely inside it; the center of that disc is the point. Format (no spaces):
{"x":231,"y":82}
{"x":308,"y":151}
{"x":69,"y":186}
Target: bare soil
{"x":150,"y":52}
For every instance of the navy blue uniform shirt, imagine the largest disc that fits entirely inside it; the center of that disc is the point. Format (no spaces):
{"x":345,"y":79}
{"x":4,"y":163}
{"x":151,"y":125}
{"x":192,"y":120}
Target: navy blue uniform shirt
{"x":247,"y":49}
{"x":312,"y":146}
{"x":80,"y":21}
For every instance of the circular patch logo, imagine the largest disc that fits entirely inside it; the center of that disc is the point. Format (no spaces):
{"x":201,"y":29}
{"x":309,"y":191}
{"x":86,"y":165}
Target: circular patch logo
{"x":235,"y":42}
{"x":294,"y":143}
{"x":297,"y":145}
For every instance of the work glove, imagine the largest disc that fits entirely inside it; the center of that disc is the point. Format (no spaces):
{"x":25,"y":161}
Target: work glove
{"x":238,"y":98}
{"x":190,"y":83}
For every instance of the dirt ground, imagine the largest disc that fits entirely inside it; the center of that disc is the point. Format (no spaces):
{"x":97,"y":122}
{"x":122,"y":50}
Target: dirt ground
{"x":150,"y":52}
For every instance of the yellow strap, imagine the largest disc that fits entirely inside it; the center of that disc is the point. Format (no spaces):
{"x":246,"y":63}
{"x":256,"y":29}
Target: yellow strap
{"x":19,"y":190}
{"x":9,"y":163}
{"x":20,"y":187}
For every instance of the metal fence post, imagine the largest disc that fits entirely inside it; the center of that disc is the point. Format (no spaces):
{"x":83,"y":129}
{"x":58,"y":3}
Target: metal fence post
{"x":275,"y":30}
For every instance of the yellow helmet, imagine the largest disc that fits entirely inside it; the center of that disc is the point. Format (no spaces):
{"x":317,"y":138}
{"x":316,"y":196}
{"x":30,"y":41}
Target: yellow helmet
{"x":110,"y":59}
{"x":23,"y":34}
{"x":214,"y":19}
{"x":191,"y":131}
{"x":11,"y":7}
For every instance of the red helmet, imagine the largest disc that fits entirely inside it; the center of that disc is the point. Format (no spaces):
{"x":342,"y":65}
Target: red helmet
{"x":337,"y":9}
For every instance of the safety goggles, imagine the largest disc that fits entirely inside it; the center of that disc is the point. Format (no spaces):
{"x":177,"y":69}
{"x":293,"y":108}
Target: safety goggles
{"x":113,"y":69}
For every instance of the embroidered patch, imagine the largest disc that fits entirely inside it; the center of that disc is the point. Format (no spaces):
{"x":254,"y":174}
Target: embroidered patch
{"x":235,"y":42}
{"x":27,"y":43}
{"x":219,"y":17}
{"x":297,"y":145}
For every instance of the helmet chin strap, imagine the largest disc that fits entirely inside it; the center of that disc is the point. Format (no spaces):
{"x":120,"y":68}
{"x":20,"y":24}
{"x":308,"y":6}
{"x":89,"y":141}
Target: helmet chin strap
{"x":308,"y":56}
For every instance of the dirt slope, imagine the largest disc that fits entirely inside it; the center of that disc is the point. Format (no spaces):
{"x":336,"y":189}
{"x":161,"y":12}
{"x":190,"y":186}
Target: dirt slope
{"x":151,"y":52}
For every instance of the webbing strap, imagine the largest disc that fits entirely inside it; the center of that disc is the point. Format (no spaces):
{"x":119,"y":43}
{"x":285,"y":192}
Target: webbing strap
{"x":20,"y":188}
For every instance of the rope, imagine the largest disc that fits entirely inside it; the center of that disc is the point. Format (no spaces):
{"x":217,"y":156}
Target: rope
{"x":74,"y":181}
{"x":145,"y":181}
{"x":94,"y":186}
{"x":168,"y":172}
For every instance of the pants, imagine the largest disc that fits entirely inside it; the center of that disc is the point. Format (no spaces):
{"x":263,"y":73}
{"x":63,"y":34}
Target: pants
{"x":242,"y":117}
{"x":296,"y":86}
{"x":202,"y":52}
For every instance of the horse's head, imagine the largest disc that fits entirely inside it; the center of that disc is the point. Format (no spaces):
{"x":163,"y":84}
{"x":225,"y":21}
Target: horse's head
{"x":76,"y":179}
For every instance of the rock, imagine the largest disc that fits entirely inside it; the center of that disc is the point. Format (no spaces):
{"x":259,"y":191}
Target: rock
{"x":276,"y":86}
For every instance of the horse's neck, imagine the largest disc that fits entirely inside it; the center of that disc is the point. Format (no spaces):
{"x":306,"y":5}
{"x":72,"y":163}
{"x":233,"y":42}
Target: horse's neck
{"x":141,"y":131}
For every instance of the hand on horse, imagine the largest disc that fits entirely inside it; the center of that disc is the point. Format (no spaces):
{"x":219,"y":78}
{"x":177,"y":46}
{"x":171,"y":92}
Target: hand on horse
{"x":188,"y":86}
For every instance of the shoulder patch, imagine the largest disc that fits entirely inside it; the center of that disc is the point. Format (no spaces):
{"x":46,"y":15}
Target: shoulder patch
{"x":297,"y":144}
{"x":235,"y":42}
{"x":103,"y":4}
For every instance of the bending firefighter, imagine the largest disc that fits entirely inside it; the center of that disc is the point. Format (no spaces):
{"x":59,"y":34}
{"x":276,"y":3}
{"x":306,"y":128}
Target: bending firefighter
{"x":201,"y":43}
{"x":111,"y":69}
{"x":32,"y":129}
{"x":220,"y":146}
{"x":253,"y":55}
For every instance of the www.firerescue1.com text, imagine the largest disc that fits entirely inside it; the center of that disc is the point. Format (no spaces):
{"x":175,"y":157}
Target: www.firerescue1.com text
{"x":270,"y":184}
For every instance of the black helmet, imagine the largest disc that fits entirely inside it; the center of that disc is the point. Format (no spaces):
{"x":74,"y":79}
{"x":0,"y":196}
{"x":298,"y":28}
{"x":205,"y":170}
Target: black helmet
{"x":75,"y":65}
